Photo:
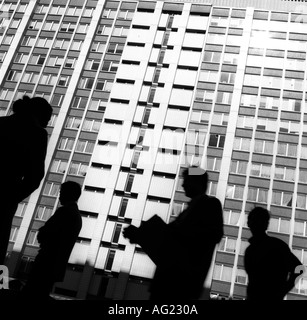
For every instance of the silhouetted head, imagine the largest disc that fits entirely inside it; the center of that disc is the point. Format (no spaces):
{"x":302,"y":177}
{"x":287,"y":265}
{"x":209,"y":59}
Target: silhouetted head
{"x":37,"y":109}
{"x":70,"y":192}
{"x":195,"y":181}
{"x":258,"y":220}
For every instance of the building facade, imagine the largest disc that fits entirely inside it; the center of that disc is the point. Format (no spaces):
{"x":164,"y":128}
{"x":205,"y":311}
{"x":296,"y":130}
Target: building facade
{"x":142,"y":89}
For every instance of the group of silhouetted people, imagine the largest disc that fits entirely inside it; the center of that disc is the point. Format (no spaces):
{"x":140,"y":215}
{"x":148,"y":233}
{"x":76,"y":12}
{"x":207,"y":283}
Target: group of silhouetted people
{"x":24,"y":145}
{"x":181,"y":250}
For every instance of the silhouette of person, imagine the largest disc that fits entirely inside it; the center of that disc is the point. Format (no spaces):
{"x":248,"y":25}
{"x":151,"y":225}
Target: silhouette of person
{"x":182,"y":250}
{"x":23,"y":150}
{"x":269,"y":262}
{"x":57,"y":238}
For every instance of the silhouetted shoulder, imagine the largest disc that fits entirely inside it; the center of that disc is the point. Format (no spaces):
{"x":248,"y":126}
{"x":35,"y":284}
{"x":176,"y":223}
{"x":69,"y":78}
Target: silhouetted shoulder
{"x":276,"y":242}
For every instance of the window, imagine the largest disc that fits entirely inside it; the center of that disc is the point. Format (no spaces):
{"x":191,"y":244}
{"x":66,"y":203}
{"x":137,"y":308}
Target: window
{"x":44,"y":43}
{"x":51,"y":189}
{"x":37,"y":59}
{"x":109,"y":13}
{"x":85,"y":146}
{"x":98,"y":46}
{"x":221,"y":272}
{"x":248,"y":100}
{"x":196,"y":137}
{"x":263,"y":146}
{"x":110,"y":260}
{"x":41,"y":9}
{"x":269,"y":102}
{"x":13,"y":75}
{"x":234,"y":192}
{"x":61,"y":44}
{"x":300,"y":228}
{"x":88,"y":12}
{"x":99,"y":105}
{"x":120,"y":31}
{"x":6,"y":94}
{"x":115,"y":48}
{"x":216,"y":140}
{"x":63,"y":81}
{"x":204,"y":95}
{"x":74,"y":11}
{"x":43,"y":213}
{"x":123,"y":207}
{"x":231,"y":217}
{"x":257,"y":194}
{"x":282,"y":198}
{"x":109,"y":66}
{"x":227,"y":244}
{"x":303,"y":152}
{"x":57,"y":10}
{"x":58,"y":166}
{"x":224,"y":97}
{"x":245,"y":122}
{"x":266,"y":124}
{"x":242,"y":144}
{"x":73,"y":123}
{"x":91,"y":125}
{"x":279,"y":225}
{"x":212,"y":187}
{"x":67,"y":27}
{"x":129,"y":182}
{"x":291,"y":105}
{"x":104,"y":85}
{"x":125,"y":14}
{"x":230,"y":58}
{"x":20,"y":211}
{"x":260,"y":170}
{"x":69,"y":63}
{"x":213,"y":164}
{"x":8,"y":39}
{"x":241,"y":276}
{"x":284,"y":173}
{"x":200,"y":116}
{"x":243,"y":246}
{"x":55,"y":61}
{"x":86,"y":83}
{"x":66,"y":144}
{"x":301,"y":201}
{"x":220,"y":119}
{"x":13,"y":234}
{"x":287,"y":149}
{"x":76,"y":45}
{"x":57,"y":100}
{"x":92,"y":64}
{"x":238,"y":167}
{"x":303,"y":176}
{"x":82,"y":28}
{"x":79,"y":103}
{"x":289,"y":127}
{"x":117,"y":232}
{"x":3,"y":54}
{"x":51,"y":26}
{"x":227,"y":77}
{"x":78,"y":169}
{"x":32,"y":238}
{"x":14,"y":23}
{"x":30,"y":77}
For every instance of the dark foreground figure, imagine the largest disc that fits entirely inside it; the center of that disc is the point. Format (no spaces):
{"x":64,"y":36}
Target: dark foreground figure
{"x":57,"y":238}
{"x":269,"y":263}
{"x":182,"y":250}
{"x":23,"y":149}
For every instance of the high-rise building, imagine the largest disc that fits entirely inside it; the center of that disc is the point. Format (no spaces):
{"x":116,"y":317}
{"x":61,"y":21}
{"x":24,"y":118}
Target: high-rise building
{"x":142,"y":89}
